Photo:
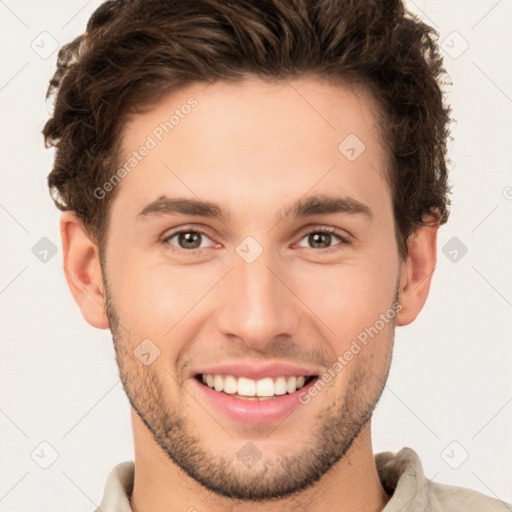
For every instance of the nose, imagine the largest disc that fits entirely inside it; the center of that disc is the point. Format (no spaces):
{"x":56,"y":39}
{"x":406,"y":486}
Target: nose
{"x":256,"y":303}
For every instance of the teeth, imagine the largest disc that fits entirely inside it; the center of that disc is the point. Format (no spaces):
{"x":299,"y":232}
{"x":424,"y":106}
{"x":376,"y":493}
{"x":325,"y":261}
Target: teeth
{"x":230,"y":384}
{"x":280,"y":386}
{"x":265,"y":387}
{"x":244,"y":387}
{"x":218,"y":383}
{"x":291,"y":384}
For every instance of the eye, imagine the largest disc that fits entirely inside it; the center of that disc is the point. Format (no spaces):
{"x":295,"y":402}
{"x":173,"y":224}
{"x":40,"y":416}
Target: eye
{"x":193,"y":239}
{"x":190,"y":239}
{"x":321,"y":238}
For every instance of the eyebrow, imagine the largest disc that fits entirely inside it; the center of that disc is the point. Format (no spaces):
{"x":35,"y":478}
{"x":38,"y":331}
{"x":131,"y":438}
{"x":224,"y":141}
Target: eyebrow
{"x":313,"y":205}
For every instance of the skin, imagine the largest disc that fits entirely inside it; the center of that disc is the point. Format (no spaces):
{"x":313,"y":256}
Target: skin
{"x":254,"y":148}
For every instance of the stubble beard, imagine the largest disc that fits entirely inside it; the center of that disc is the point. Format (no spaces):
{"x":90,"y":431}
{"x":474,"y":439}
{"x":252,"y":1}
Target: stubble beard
{"x":335,"y":429}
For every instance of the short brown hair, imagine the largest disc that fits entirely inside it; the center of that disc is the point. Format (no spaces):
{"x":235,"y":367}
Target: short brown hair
{"x":136,"y":51}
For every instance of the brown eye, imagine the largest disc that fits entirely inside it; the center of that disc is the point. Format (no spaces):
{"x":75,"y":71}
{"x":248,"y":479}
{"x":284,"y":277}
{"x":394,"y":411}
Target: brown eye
{"x":323,"y":239}
{"x":320,"y":240}
{"x":189,"y":239}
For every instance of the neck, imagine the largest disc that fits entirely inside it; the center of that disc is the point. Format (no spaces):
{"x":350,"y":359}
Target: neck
{"x":161,"y":486}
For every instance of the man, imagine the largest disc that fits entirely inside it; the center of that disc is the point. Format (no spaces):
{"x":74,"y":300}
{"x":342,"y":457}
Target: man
{"x":251,"y":196}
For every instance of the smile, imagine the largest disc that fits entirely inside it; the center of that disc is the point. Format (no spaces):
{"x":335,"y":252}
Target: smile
{"x":244,"y":400}
{"x":244,"y":388}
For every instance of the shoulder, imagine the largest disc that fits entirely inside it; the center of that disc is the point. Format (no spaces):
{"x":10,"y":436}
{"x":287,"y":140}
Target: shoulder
{"x":453,"y":498}
{"x":118,"y":488}
{"x":402,"y":477}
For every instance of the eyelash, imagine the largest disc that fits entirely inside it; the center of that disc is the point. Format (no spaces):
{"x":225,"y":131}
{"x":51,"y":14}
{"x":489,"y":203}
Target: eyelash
{"x":331,"y":231}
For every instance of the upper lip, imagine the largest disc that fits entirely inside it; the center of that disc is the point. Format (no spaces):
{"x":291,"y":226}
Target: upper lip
{"x":257,"y":371}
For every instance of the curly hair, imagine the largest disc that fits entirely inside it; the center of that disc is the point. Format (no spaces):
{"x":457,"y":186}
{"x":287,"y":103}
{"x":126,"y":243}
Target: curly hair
{"x":136,"y":51}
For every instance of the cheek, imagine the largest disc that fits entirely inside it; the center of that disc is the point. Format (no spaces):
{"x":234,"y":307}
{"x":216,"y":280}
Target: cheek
{"x":153,"y":297}
{"x":348,"y":297}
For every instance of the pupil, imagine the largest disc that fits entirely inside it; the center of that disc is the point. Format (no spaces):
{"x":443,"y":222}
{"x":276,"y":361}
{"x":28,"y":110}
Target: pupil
{"x":317,"y":238}
{"x":189,"y":240}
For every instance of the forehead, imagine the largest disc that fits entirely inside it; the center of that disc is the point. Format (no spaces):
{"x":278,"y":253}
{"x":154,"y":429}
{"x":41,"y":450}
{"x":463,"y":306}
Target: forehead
{"x":256,"y":107}
{"x":255,"y":139}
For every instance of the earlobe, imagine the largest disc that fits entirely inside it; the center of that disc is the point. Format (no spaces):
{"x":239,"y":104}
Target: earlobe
{"x":416,"y":273}
{"x":82,"y":270}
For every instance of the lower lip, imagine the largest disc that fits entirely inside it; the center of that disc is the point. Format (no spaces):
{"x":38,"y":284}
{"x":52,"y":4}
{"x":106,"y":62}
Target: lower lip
{"x":255,"y":411}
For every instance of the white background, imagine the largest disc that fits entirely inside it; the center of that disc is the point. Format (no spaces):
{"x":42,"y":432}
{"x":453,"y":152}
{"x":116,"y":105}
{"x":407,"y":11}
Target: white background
{"x":451,"y":375}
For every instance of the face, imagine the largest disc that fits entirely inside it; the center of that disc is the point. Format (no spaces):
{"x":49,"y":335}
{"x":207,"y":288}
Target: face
{"x":264,"y":285}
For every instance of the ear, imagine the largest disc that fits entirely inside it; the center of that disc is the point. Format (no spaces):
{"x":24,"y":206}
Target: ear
{"x":83,"y":271}
{"x":417,"y":271}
